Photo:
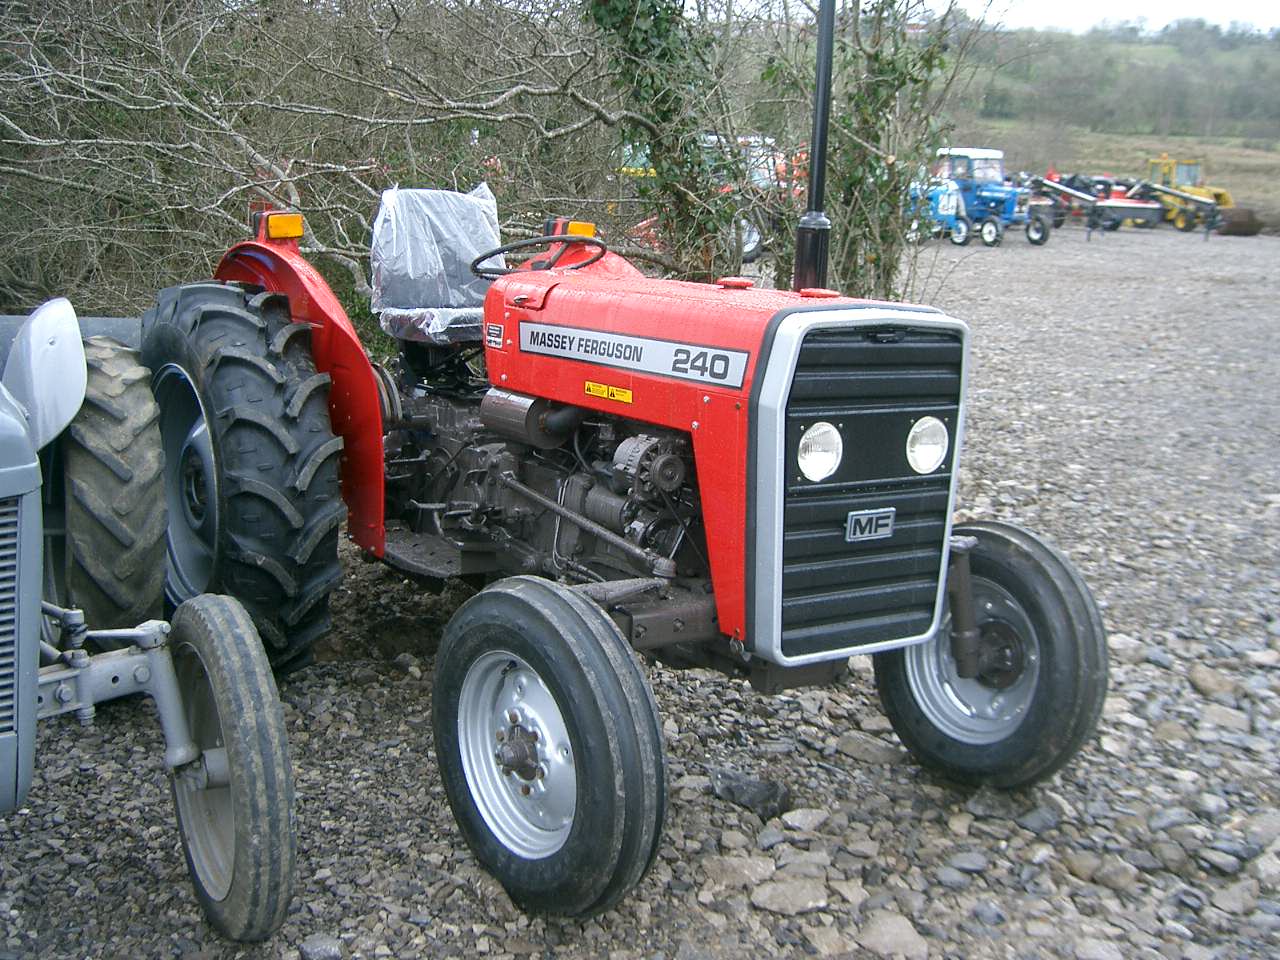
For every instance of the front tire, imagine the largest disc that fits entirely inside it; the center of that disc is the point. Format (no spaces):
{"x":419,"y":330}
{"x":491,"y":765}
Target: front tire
{"x":962,"y":232}
{"x":549,"y":745}
{"x":1041,"y":692}
{"x":235,"y":803}
{"x":251,"y":463}
{"x":991,"y":232}
{"x":1037,"y":231}
{"x":1185,"y":219}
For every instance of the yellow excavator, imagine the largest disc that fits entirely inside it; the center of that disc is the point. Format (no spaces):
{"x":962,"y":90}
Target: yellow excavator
{"x":1183,"y":181}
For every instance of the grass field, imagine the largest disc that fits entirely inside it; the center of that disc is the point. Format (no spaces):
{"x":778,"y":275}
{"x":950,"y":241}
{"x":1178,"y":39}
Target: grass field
{"x":1250,"y":172}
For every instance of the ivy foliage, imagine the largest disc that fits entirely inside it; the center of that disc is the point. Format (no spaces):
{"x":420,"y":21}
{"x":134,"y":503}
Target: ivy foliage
{"x":662,"y":69}
{"x":889,"y":77}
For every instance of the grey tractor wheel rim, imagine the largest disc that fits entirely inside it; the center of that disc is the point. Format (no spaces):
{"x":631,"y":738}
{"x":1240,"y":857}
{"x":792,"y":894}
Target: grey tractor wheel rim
{"x":203,"y":789}
{"x":1037,"y":229}
{"x":750,"y":236}
{"x":976,"y":711}
{"x":989,"y":232}
{"x":960,"y":231}
{"x":190,"y":483}
{"x":516,"y":755}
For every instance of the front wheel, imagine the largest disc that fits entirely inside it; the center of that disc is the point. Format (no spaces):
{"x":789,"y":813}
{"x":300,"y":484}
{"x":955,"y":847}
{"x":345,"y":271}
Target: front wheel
{"x":1043,"y":678}
{"x":1037,"y":231}
{"x":991,"y":232}
{"x":1185,"y":220}
{"x":235,"y":803}
{"x":549,"y":746}
{"x":962,"y":232}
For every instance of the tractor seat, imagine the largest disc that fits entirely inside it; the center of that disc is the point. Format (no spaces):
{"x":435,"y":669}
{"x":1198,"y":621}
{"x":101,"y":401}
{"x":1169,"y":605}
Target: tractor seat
{"x":421,"y":252}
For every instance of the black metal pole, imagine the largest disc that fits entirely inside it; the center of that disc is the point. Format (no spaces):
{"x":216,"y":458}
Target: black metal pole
{"x":813,"y":235}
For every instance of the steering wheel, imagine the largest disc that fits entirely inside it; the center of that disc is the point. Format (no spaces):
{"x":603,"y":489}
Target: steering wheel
{"x":565,"y":239}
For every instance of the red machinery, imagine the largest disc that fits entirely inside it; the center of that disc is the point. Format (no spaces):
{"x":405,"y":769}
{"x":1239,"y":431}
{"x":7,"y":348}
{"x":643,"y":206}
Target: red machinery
{"x":707,"y":475}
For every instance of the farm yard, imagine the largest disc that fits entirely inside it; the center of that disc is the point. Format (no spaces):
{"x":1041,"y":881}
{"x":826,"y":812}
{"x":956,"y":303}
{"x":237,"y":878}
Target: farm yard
{"x":1123,"y":402}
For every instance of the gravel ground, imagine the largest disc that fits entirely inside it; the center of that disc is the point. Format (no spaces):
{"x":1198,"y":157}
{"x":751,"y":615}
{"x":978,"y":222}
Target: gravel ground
{"x":1123,"y":401}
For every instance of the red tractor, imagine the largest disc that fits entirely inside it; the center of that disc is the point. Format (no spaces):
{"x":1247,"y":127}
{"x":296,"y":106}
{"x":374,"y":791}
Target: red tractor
{"x":707,"y":475}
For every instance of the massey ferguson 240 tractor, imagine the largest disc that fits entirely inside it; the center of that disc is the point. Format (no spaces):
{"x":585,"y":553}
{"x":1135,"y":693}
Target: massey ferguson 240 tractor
{"x":629,"y":470}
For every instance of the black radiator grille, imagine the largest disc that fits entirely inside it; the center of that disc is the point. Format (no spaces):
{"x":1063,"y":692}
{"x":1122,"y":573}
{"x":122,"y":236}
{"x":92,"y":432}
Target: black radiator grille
{"x":8,"y":612}
{"x":873,"y":384}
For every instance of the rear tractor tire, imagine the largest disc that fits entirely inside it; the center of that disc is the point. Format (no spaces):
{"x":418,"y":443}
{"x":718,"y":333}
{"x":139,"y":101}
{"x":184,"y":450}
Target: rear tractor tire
{"x":235,"y":802}
{"x":251,"y":463}
{"x":549,"y":745}
{"x":1043,"y":678}
{"x":103,"y":509}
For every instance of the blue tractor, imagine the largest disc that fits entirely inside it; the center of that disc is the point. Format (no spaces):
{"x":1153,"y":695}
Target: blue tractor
{"x":992,"y":204}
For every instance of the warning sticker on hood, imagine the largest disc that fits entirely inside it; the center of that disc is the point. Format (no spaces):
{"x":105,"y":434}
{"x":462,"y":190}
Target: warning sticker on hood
{"x":666,"y":358}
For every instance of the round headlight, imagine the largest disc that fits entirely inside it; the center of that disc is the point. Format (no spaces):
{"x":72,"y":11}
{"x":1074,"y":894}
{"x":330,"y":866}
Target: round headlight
{"x":820,"y":451}
{"x":927,"y":445}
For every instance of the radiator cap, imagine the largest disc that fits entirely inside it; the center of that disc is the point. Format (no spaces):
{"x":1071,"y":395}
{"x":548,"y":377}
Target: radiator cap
{"x":818,"y":293}
{"x":735,"y":283}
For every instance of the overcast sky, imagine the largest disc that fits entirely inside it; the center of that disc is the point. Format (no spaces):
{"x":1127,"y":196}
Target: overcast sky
{"x":1080,"y":15}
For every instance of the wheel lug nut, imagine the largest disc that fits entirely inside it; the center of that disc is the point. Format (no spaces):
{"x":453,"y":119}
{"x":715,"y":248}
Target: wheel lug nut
{"x":513,"y":716}
{"x":542,"y":773}
{"x":533,"y":735}
{"x":524,"y":790}
{"x":499,"y":735}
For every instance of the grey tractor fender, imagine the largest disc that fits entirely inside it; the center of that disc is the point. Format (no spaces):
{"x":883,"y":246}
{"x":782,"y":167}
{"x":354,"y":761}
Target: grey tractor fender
{"x":45,"y":370}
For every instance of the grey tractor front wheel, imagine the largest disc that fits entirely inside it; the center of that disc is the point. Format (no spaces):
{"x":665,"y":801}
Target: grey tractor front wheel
{"x":235,"y":803}
{"x":251,"y":461}
{"x":103,"y":510}
{"x":549,"y":746}
{"x":1040,"y":689}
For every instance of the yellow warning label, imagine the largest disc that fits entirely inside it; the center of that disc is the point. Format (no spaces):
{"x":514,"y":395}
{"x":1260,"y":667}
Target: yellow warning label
{"x":607,"y":392}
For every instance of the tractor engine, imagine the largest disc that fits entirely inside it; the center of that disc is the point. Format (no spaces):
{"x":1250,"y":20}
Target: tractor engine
{"x":487,"y":482}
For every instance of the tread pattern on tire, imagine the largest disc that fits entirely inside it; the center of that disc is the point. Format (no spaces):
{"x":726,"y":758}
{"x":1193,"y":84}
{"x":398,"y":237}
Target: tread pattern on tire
{"x":268,"y":413}
{"x":258,"y":747}
{"x":113,"y":479}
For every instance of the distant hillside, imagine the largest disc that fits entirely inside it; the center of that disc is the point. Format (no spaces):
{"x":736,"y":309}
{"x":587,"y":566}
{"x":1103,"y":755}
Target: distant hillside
{"x":1190,"y":79}
{"x":1105,"y":101}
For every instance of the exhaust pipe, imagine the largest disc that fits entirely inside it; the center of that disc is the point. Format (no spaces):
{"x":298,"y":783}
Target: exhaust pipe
{"x":813,"y":235}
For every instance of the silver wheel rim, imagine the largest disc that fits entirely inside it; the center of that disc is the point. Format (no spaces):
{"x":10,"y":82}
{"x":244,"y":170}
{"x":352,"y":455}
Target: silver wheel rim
{"x":971,"y":710}
{"x":205,"y":805}
{"x":750,"y":236}
{"x":516,"y":755}
{"x":190,"y":484}
{"x":960,"y":231}
{"x":989,"y":232}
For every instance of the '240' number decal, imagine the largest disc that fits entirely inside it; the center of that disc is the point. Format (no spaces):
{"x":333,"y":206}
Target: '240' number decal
{"x":702,"y":363}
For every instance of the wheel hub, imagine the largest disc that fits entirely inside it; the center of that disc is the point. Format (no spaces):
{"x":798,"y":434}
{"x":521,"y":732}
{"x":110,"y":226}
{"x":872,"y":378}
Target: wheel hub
{"x":1001,"y":658}
{"x":516,"y":754}
{"x":195,"y":488}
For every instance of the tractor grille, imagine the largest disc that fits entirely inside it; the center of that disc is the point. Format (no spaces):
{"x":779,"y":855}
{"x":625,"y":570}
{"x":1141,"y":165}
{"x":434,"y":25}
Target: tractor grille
{"x":8,"y":612}
{"x":873,"y":384}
